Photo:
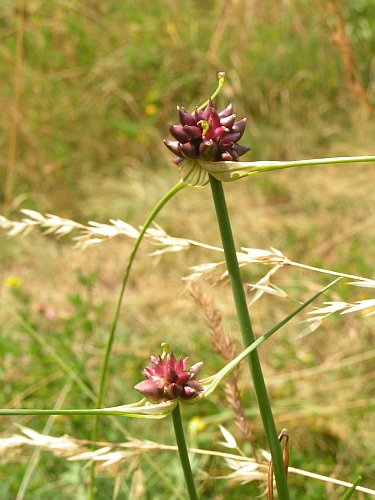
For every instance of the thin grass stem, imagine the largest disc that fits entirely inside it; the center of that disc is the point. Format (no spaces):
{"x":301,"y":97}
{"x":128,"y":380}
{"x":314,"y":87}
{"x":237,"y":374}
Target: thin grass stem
{"x":14,"y":120}
{"x":352,"y":489}
{"x":248,"y":336}
{"x":182,"y":451}
{"x":85,"y":412}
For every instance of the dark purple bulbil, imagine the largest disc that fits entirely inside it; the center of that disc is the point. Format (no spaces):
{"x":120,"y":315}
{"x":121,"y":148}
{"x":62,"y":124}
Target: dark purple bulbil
{"x":207,"y":135}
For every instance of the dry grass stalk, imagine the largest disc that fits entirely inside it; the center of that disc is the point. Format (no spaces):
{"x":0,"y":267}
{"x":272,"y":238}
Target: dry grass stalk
{"x":224,"y":346}
{"x":109,"y":454}
{"x":14,"y":119}
{"x":340,"y":38}
{"x":284,"y":439}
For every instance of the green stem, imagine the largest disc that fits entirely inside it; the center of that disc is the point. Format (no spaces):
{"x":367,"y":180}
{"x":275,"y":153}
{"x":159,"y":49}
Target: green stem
{"x":103,"y":374}
{"x":352,"y":489}
{"x":248,"y":336}
{"x":31,"y":411}
{"x":182,"y":451}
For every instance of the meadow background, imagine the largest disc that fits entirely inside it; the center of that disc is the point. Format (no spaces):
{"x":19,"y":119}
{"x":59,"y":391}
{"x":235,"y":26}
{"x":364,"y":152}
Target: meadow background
{"x":87,"y":91}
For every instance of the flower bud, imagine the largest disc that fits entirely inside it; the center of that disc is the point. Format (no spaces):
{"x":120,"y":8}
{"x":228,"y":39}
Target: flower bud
{"x":195,"y":369}
{"x":228,"y":121}
{"x":208,"y":150}
{"x":174,"y":391}
{"x":193,"y":132}
{"x":185,"y":117}
{"x":149,"y":390}
{"x":227,"y":111}
{"x":190,"y":150}
{"x":240,"y":127}
{"x":188,"y":393}
{"x":174,"y":146}
{"x":178,"y":132}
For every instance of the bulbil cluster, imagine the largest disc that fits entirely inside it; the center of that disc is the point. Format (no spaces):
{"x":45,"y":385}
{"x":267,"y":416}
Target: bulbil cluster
{"x":170,"y":379}
{"x":207,"y":135}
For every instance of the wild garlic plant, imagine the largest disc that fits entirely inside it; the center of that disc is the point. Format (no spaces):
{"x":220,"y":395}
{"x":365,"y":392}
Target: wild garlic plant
{"x":207,"y":152}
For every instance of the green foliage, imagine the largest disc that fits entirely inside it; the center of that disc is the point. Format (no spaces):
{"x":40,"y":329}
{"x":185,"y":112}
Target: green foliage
{"x":100,"y":81}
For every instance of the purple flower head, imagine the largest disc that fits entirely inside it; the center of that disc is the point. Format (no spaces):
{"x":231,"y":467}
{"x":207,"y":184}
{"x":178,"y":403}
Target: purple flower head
{"x":170,"y":379}
{"x":207,"y":135}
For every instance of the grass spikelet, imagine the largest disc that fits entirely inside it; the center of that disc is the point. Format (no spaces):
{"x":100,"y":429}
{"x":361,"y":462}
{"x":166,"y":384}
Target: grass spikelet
{"x":223,"y":345}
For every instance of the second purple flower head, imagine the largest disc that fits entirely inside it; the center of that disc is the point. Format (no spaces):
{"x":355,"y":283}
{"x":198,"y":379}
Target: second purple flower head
{"x":170,"y":379}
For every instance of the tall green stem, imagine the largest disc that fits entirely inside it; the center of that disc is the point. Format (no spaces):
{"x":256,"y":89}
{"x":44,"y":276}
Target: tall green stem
{"x":248,"y":336}
{"x":182,"y":451}
{"x":111,"y":335}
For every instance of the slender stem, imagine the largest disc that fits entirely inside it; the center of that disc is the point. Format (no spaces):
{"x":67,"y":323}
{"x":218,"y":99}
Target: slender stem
{"x":90,"y":411}
{"x":221,"y":77}
{"x":248,"y":336}
{"x":352,"y":489}
{"x":327,"y":271}
{"x":111,"y":335}
{"x":182,"y":451}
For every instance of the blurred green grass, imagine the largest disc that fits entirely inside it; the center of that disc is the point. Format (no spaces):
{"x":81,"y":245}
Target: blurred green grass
{"x":99,"y":83}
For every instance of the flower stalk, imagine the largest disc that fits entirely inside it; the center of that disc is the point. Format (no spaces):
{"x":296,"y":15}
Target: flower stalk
{"x":248,"y":335}
{"x":182,"y":451}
